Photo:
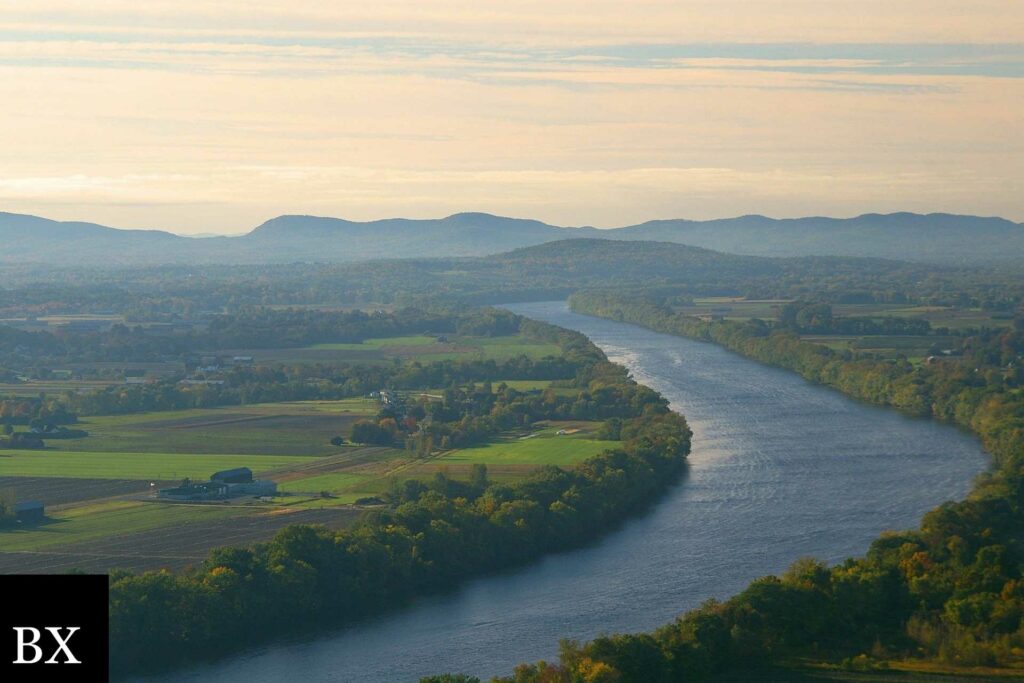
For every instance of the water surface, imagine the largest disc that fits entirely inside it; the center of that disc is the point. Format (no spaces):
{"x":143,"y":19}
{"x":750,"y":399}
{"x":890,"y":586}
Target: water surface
{"x":780,"y":469}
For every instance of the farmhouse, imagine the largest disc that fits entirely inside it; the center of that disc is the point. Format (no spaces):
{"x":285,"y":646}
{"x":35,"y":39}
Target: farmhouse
{"x":222,"y":485}
{"x":188,"y":490}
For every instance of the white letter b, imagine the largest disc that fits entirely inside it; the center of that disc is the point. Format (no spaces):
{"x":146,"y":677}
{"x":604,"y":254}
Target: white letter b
{"x":23,"y":645}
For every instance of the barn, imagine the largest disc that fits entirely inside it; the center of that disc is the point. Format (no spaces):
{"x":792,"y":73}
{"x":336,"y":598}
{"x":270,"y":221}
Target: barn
{"x":238,"y":475}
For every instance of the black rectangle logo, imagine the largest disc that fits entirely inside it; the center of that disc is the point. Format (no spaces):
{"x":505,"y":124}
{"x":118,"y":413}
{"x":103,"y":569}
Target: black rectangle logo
{"x":54,"y":628}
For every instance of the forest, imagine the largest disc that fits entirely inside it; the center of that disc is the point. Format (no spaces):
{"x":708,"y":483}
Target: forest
{"x":547,"y":271}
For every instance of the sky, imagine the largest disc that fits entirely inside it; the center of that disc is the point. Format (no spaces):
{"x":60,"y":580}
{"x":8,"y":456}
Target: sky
{"x":212,"y":117}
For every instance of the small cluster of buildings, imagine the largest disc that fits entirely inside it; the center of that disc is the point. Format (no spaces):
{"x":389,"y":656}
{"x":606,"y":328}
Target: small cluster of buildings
{"x":225,"y":484}
{"x":215,"y":365}
{"x":209,"y":364}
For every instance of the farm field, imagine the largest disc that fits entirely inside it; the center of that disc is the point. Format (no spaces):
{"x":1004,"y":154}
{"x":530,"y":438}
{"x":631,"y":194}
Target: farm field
{"x":97,"y":490}
{"x":152,"y":465}
{"x":109,"y":518}
{"x":347,"y":485}
{"x":943,"y":321}
{"x":523,"y":384}
{"x":738,"y":308}
{"x":187,"y":542}
{"x":544,"y":447}
{"x":52,"y":386}
{"x":424,"y":348}
{"x":299,"y":428}
{"x":889,"y":346}
{"x":380,"y":343}
{"x":507,"y":458}
{"x":63,"y":490}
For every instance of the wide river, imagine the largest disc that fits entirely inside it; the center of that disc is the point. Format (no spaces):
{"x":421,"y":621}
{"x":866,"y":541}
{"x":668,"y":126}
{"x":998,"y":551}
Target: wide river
{"x":780,"y":469}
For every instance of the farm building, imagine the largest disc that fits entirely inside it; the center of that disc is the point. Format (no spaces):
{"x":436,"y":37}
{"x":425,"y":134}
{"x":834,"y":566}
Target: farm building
{"x":238,"y":475}
{"x":207,"y":490}
{"x":263,"y":487}
{"x":222,"y":485}
{"x":29,"y":511}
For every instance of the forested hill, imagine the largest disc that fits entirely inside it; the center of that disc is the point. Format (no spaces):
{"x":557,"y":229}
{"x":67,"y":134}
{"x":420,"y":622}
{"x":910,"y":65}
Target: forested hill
{"x":542,"y":272}
{"x":934,"y":238}
{"x":463,"y":234}
{"x":596,"y":260}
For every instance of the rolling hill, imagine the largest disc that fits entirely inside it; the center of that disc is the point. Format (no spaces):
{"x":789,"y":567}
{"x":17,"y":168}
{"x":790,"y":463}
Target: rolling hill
{"x":933,"y":238}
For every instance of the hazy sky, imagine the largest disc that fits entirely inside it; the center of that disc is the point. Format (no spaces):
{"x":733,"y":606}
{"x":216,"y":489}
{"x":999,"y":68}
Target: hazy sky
{"x":200,"y":116}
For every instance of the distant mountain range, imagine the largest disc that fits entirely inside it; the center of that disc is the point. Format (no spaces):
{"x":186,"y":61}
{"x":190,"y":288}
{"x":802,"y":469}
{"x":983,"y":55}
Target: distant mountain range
{"x":932,"y":238}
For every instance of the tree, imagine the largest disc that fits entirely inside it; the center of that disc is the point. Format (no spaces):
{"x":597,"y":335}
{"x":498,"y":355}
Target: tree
{"x":368,"y":431}
{"x":611,"y":430}
{"x":478,"y":477}
{"x":338,"y":441}
{"x":6,"y":507}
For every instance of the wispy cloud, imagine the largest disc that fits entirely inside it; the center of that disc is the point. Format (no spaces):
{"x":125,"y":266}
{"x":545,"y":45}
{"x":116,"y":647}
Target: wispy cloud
{"x":218,"y":115}
{"x":566,"y":22}
{"x":316,"y":54}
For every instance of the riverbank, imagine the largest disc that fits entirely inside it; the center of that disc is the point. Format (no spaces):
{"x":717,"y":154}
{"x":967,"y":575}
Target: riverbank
{"x":949,"y":591}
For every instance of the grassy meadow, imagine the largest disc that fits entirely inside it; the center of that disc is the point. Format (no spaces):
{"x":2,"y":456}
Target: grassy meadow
{"x":423,"y":348}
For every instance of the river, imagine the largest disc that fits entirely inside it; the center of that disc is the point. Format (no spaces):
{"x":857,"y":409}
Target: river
{"x":780,"y":469}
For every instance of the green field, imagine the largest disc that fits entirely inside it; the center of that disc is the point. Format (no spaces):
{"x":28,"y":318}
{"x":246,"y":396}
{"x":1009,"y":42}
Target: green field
{"x":915,"y":348}
{"x":153,"y":466}
{"x":737,"y":308}
{"x":524,"y":384}
{"x":336,"y":482}
{"x":106,"y":519}
{"x":500,"y":348}
{"x":508,"y":458}
{"x":300,"y":428}
{"x":383,"y":342}
{"x":424,"y":348}
{"x":55,"y":386}
{"x":546,"y":448}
